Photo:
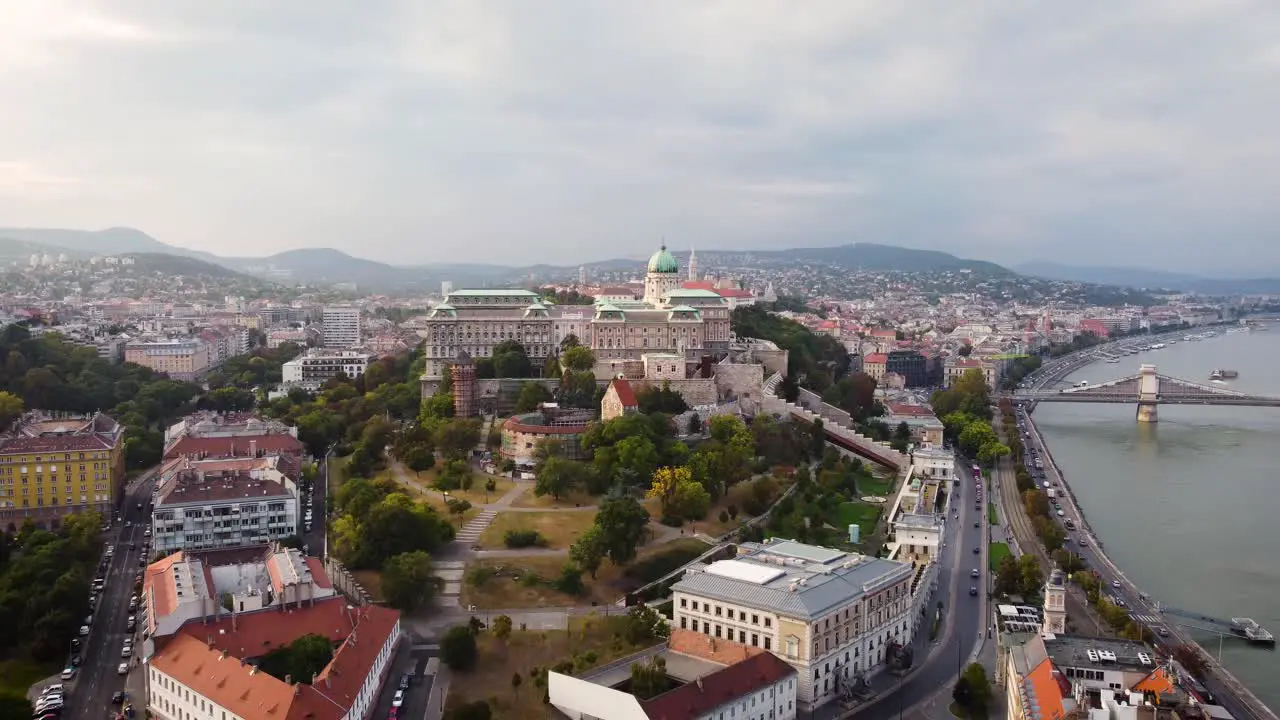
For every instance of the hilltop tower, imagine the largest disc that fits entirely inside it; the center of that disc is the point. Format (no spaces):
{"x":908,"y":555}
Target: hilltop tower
{"x":693,"y":264}
{"x":1055,"y":603}
{"x":463,"y":372}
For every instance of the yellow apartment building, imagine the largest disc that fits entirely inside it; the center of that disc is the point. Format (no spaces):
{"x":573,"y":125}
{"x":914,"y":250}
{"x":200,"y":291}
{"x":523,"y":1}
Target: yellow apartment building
{"x":54,"y":466}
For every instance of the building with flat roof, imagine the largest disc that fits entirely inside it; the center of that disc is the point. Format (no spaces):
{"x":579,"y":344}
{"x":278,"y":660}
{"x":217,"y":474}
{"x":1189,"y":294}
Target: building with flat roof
{"x":316,"y":366}
{"x":224,"y":503}
{"x":836,"y":617}
{"x":340,"y":326}
{"x":52,"y":466}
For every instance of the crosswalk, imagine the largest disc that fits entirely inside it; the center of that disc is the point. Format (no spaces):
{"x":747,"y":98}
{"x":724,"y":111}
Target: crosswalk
{"x":471,"y":532}
{"x":1149,"y":619}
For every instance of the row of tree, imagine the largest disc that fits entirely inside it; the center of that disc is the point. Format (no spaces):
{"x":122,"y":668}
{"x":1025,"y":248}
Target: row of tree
{"x":965,"y":409}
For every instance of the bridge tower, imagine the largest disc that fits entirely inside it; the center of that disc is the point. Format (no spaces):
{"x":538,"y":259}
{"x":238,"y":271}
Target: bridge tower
{"x":1148,"y":394}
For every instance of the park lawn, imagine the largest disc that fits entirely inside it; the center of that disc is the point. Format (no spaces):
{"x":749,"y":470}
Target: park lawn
{"x":991,"y":514}
{"x":504,"y":591}
{"x":996,"y":552}
{"x":876,"y":485}
{"x":497,"y":662}
{"x":18,"y":675}
{"x":865,"y":515}
{"x":577,"y":498}
{"x":371,"y":580}
{"x":560,"y":528}
{"x":712,"y":524}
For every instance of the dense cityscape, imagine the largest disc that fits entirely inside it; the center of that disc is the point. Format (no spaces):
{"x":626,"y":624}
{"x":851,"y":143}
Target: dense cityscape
{"x":672,"y":492}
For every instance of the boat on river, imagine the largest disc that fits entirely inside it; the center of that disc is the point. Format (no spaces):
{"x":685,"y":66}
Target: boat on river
{"x":1220,"y":374}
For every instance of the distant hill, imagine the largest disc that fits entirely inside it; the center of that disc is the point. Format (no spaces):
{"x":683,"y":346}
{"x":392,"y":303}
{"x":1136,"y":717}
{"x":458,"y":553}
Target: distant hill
{"x":876,"y":257}
{"x":329,"y":266}
{"x":112,"y":241}
{"x":12,"y":250}
{"x":177,"y":265}
{"x":1150,"y":279}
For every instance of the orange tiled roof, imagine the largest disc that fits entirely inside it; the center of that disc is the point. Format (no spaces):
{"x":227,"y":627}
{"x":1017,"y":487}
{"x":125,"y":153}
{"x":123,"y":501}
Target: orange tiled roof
{"x":1157,"y":682}
{"x":727,"y":652}
{"x":1048,"y":695}
{"x":876,"y":359}
{"x":224,"y":679}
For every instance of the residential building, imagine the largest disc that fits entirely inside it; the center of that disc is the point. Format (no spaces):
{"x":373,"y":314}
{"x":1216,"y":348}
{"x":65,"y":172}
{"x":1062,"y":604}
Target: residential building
{"x":208,"y":666}
{"x":210,"y":424}
{"x":313,"y":368}
{"x":340,"y":326}
{"x":190,"y":585}
{"x":181,"y":359}
{"x":933,"y":461}
{"x":224,"y":503}
{"x":925,"y":427}
{"x":297,"y":336}
{"x":955,"y":367}
{"x":836,"y":617}
{"x":875,"y":365}
{"x":52,"y":466}
{"x":475,"y":321}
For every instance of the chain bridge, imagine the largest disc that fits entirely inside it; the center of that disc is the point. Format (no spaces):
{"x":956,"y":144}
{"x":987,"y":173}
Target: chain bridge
{"x":1148,"y":389}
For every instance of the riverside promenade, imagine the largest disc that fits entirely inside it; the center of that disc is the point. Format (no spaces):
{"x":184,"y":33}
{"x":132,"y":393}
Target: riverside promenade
{"x":1227,"y":690}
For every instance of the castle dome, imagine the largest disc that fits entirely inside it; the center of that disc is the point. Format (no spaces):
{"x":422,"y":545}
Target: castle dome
{"x":663,"y":262}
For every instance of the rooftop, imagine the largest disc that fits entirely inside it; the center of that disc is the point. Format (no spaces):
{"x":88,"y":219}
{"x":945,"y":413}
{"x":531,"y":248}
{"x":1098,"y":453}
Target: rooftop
{"x":792,"y":578}
{"x":718,"y":688}
{"x":1070,"y":651}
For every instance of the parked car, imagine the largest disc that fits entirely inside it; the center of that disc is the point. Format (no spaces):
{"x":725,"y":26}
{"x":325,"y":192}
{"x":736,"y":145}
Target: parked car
{"x":68,"y":673}
{"x":84,"y":630}
{"x":398,"y":700}
{"x":117,"y":698}
{"x":122,"y":669}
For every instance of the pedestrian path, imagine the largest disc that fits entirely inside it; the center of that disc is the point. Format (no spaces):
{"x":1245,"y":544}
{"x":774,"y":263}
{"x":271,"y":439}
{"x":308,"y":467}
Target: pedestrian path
{"x":450,"y":573}
{"x":471,"y":532}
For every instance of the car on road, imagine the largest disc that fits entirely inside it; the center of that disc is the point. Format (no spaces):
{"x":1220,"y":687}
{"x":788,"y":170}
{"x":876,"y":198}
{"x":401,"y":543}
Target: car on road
{"x":405,"y":679}
{"x":127,"y":649}
{"x":398,"y":699}
{"x":84,"y":630}
{"x":974,"y":573}
{"x":122,"y":669}
{"x":1115,"y":584}
{"x":976,"y":551}
{"x":1163,"y":632}
{"x":54,"y":689}
{"x":977,"y":523}
{"x":68,"y":673}
{"x":117,"y":698}
{"x":973,"y":590}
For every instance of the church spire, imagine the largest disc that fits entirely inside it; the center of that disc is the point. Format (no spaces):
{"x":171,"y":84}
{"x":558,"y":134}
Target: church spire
{"x":693,"y":263}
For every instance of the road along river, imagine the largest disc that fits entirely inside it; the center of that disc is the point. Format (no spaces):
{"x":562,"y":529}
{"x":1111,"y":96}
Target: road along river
{"x":1188,"y":507}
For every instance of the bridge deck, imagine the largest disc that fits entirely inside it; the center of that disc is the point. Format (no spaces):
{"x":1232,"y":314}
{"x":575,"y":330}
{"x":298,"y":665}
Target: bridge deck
{"x":1172,"y":391}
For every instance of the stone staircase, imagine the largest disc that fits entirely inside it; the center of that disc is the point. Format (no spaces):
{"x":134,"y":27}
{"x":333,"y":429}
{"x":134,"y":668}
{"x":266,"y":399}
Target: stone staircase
{"x":450,"y":573}
{"x":471,"y":532}
{"x":771,"y":384}
{"x":878,"y":451}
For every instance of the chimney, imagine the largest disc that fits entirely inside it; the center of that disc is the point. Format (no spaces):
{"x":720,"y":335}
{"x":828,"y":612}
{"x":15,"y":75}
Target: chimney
{"x":313,"y":677}
{"x":297,"y":690}
{"x":253,"y":448}
{"x":326,"y":682}
{"x":699,"y":683}
{"x":253,"y":670}
{"x":288,"y":679}
{"x":208,"y":640}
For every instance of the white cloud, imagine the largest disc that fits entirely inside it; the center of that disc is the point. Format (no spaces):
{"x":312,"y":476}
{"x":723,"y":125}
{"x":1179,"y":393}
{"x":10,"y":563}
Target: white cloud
{"x":422,"y":131}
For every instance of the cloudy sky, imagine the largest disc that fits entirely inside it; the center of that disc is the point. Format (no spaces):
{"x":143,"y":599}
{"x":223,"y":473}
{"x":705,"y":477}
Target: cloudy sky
{"x":485,"y":130}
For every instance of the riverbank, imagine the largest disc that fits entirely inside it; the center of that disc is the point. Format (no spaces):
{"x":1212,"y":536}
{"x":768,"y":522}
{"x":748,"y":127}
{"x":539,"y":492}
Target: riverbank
{"x":1230,"y":692}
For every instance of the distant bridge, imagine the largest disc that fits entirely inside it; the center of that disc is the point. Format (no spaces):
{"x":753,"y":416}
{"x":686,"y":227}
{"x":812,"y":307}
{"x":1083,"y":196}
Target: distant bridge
{"x":1148,"y":389}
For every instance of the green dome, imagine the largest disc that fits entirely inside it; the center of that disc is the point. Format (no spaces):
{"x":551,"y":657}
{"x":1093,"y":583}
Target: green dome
{"x":663,"y":262}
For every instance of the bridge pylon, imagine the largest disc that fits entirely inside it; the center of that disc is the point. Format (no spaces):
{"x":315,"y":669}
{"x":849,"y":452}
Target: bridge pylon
{"x":1148,"y":394}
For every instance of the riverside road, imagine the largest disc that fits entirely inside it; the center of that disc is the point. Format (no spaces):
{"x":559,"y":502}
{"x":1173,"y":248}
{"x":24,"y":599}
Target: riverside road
{"x":1226,"y":689}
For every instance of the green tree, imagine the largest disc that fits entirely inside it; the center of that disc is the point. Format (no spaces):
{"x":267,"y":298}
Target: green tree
{"x":973,"y":690}
{"x":1008,"y":576}
{"x":15,"y":707}
{"x":991,"y":451}
{"x":622,"y":521}
{"x":408,"y":580}
{"x":532,"y":394}
{"x":455,"y":439}
{"x":558,"y":476}
{"x":639,"y":454}
{"x":578,"y":359}
{"x":589,"y":550}
{"x":458,"y":648}
{"x":511,"y":361}
{"x":502,"y":628}
{"x":301,"y":659}
{"x":649,"y":678}
{"x":1031,"y":577}
{"x":11,"y":408}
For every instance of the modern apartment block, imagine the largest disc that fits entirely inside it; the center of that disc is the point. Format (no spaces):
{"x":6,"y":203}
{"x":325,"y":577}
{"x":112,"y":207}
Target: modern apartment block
{"x":834,"y":616}
{"x":54,"y":466}
{"x":310,"y":370}
{"x":224,"y":503}
{"x":340,"y":326}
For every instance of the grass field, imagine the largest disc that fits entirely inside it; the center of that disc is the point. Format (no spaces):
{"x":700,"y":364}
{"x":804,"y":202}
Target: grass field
{"x":991,"y":514}
{"x":560,"y":528}
{"x":996,"y":552}
{"x":865,"y":515}
{"x":504,"y":590}
{"x":876,"y":485}
{"x":524,"y":651}
{"x":573,"y":499}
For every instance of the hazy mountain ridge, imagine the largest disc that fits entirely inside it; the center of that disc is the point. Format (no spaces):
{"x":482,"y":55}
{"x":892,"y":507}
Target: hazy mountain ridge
{"x":1150,"y":279}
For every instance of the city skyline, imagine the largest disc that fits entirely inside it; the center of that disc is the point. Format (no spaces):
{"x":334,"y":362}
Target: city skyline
{"x":413,"y":133}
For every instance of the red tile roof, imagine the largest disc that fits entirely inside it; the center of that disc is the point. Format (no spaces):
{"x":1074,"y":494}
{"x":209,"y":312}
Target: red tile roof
{"x":625,"y":394}
{"x":234,"y":446}
{"x":908,"y":410}
{"x":876,"y":358}
{"x":698,"y":285}
{"x":718,"y":688}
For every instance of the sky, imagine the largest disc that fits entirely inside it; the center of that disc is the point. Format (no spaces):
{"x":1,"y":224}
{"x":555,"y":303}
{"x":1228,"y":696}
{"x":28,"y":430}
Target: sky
{"x":1090,"y":132}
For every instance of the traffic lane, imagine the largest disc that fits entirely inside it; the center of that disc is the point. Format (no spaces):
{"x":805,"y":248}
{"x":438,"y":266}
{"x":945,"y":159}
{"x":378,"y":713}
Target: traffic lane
{"x":960,"y":610}
{"x":107,"y":633}
{"x":407,"y":660}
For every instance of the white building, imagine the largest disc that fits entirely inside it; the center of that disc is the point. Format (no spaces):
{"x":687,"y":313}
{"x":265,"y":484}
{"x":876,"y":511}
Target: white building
{"x":340,"y":325}
{"x":933,"y":462}
{"x":311,"y":369}
{"x":760,"y":687}
{"x":224,"y":503}
{"x":836,"y":617}
{"x":475,"y":321}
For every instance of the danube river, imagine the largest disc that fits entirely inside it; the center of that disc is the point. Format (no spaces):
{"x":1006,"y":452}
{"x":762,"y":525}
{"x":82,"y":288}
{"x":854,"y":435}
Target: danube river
{"x":1188,"y":508}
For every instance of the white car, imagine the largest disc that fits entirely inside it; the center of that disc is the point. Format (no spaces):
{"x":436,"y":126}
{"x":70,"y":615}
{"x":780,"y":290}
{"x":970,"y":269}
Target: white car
{"x":84,"y":630}
{"x":126,"y":651}
{"x":398,"y":700}
{"x":123,"y":669}
{"x":54,"y":689}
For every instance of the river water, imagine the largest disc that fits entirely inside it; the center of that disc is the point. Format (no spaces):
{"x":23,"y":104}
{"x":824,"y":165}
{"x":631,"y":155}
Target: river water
{"x":1188,"y":507}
